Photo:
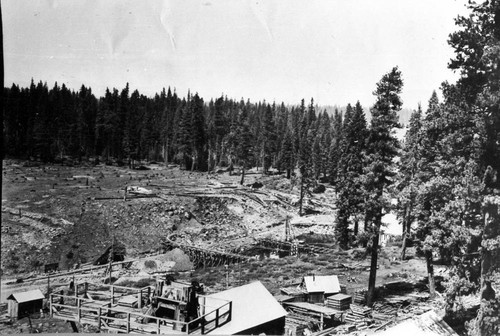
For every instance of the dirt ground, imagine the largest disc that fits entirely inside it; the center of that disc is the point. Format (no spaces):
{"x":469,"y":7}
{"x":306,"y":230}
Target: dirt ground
{"x":71,"y":215}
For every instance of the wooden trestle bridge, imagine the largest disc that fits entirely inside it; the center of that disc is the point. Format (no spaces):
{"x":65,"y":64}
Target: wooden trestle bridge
{"x":201,"y":257}
{"x":294,"y":248}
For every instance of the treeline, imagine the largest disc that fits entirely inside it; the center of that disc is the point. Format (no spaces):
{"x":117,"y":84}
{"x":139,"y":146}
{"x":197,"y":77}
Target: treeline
{"x":50,"y":124}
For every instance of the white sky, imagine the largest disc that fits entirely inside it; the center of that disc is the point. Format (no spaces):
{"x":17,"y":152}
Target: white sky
{"x":334,"y":51}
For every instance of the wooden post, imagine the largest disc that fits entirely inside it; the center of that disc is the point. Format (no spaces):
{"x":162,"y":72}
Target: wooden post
{"x":158,"y":325}
{"x":177,"y":314}
{"x":128,"y":323}
{"x":50,"y":305}
{"x":139,"y":297}
{"x":48,"y":284}
{"x":99,"y":319}
{"x":217,"y":318}
{"x":79,"y":305}
{"x":112,"y":294}
{"x":321,"y":322}
{"x":86,"y":288}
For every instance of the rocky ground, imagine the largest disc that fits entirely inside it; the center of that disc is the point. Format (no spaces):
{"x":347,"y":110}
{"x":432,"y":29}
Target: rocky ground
{"x":71,"y":215}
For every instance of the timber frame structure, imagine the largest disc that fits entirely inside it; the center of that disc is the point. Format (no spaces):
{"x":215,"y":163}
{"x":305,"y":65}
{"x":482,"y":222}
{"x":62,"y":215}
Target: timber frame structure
{"x":89,"y":307}
{"x":206,"y":258}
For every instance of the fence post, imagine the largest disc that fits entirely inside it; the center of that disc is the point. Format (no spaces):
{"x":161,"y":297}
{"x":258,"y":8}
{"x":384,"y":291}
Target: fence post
{"x":50,"y":305}
{"x":158,"y":325}
{"x":139,"y":303}
{"x":112,"y":294}
{"x":79,"y":305}
{"x":217,"y":318}
{"x":128,"y":323}
{"x":99,"y":319}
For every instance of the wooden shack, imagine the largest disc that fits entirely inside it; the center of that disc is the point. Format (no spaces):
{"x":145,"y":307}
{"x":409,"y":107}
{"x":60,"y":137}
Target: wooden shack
{"x":319,"y":287}
{"x":25,"y":303}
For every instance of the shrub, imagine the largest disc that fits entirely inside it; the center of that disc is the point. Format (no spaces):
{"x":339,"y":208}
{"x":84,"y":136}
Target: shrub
{"x":150,"y":264}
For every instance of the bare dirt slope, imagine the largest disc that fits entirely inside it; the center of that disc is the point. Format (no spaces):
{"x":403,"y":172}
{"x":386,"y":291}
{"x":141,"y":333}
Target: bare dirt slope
{"x":70,"y":215}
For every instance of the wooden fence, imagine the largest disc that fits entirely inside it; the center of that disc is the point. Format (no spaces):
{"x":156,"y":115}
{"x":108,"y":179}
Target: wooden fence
{"x":120,"y":319}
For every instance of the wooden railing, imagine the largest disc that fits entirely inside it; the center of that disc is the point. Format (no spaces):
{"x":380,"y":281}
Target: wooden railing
{"x":117,"y":319}
{"x":115,"y":292}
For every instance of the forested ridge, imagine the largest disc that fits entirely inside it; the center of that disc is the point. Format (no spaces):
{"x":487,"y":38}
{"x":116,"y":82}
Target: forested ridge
{"x":443,"y":175}
{"x":53,"y":123}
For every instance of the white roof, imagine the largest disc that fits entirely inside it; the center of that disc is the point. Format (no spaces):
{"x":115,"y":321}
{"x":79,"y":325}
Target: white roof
{"x":31,"y":295}
{"x":427,"y":324}
{"x":252,"y":306}
{"x":329,"y":284}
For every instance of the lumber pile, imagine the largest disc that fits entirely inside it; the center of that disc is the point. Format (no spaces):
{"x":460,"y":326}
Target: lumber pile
{"x":297,"y":323}
{"x":360,"y":311}
{"x":359,"y":297}
{"x":385,"y":309}
{"x":339,"y":301}
{"x":360,"y":316}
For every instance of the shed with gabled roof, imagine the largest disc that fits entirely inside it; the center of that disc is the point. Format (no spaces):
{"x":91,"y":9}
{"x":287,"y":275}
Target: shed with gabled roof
{"x":24,"y":303}
{"x":319,"y":287}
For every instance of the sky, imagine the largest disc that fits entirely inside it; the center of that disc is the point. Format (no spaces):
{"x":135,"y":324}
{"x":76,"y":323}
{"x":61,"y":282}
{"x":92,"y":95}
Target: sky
{"x":334,"y":51}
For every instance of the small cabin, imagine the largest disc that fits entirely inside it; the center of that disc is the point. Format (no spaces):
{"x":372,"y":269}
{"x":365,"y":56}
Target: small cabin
{"x":25,"y":303}
{"x":319,"y":287}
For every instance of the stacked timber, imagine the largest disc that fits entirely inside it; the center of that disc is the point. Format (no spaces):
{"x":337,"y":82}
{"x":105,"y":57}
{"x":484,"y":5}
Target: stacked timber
{"x":359,"y":316}
{"x":339,"y":301}
{"x":297,"y":323}
{"x":360,"y":311}
{"x":384,"y":311}
{"x":359,"y":297}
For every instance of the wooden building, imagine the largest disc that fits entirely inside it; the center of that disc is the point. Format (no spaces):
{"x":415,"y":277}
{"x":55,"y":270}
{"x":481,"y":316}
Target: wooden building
{"x":25,"y":303}
{"x":255,"y":311}
{"x":319,"y":287}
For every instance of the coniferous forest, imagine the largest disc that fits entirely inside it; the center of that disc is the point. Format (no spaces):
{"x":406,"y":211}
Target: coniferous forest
{"x":443,"y":174}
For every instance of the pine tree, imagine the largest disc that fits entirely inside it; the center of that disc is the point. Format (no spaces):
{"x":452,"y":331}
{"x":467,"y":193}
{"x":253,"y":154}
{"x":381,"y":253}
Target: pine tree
{"x":244,"y":145}
{"x":306,"y":171}
{"x":382,"y":148}
{"x":287,"y":153}
{"x":335,"y":147}
{"x":349,"y":184}
{"x":407,"y":183}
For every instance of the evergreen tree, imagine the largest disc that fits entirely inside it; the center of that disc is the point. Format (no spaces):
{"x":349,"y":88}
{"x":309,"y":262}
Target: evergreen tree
{"x":349,"y":185}
{"x":287,"y":153}
{"x":306,"y":171}
{"x":335,"y":147}
{"x":407,"y":174}
{"x":381,"y":150}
